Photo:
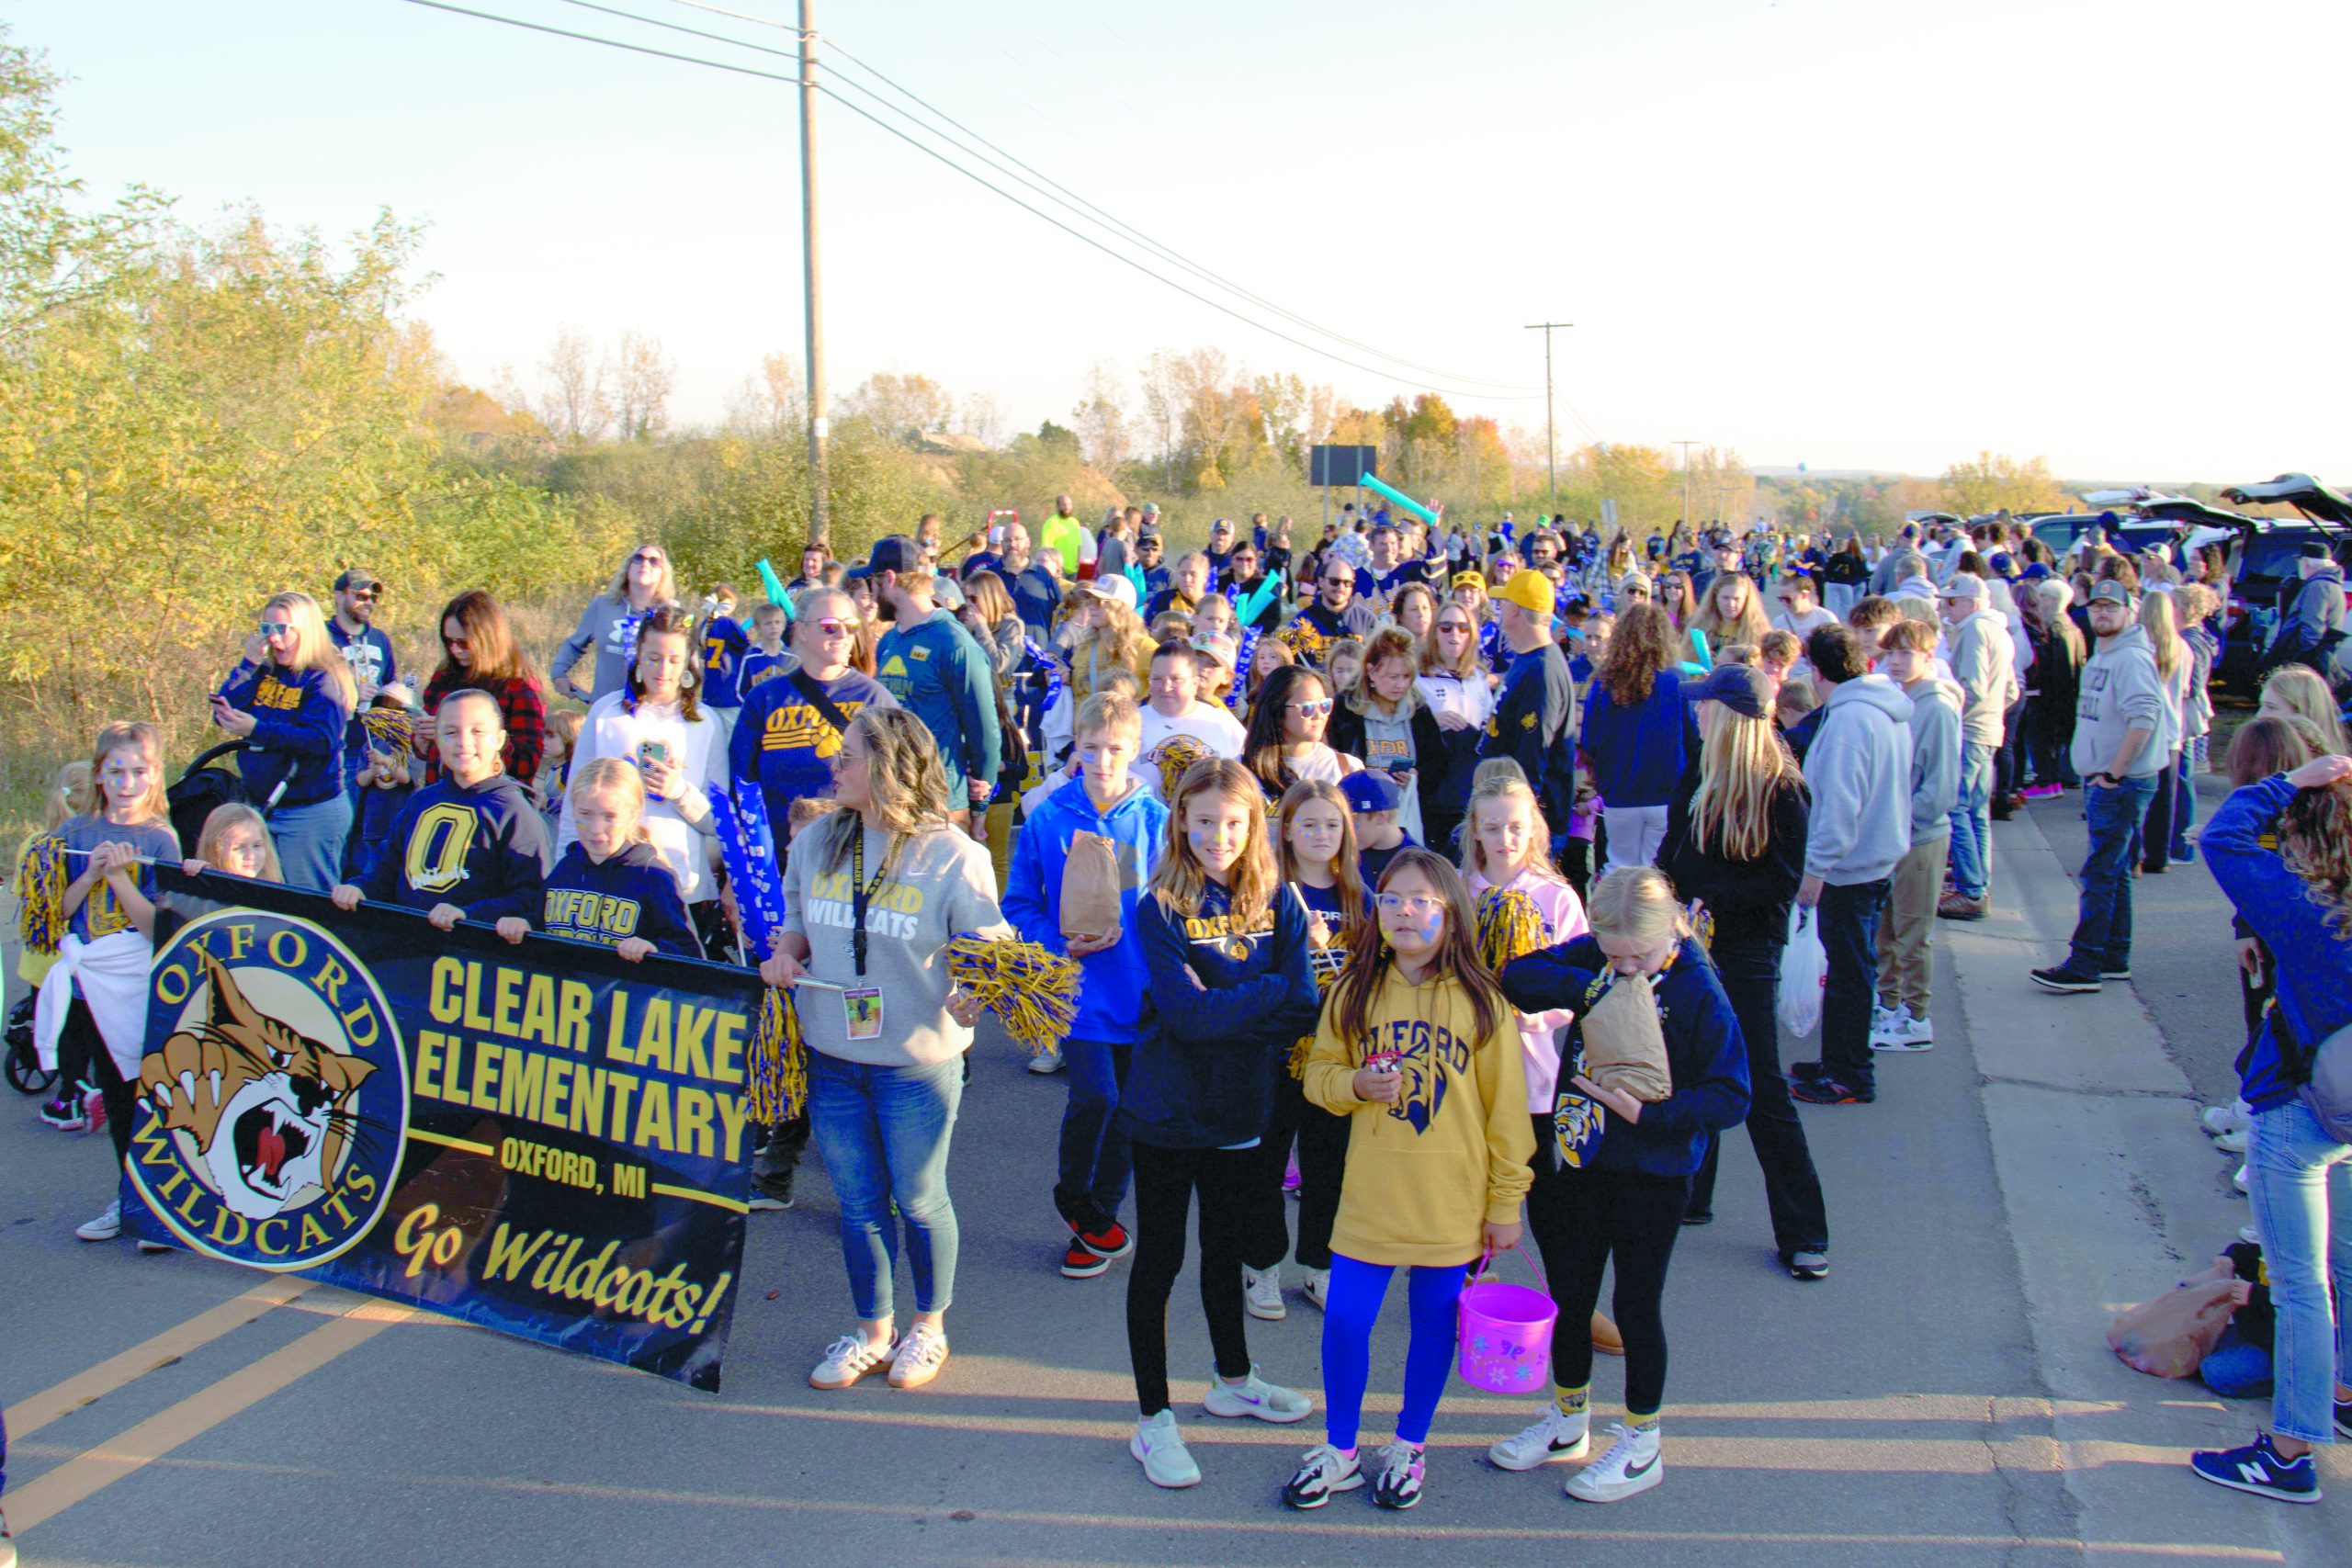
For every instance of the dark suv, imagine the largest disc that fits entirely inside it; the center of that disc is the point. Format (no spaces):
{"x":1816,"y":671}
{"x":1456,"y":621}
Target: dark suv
{"x":2263,"y":575}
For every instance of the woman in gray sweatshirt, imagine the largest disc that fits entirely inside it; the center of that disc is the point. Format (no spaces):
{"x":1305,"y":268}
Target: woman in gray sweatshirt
{"x":608,"y":628}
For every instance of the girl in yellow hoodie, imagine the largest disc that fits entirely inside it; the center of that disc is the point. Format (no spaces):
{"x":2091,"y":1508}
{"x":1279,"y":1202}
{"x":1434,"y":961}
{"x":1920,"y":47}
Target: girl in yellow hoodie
{"x":1420,"y":1051}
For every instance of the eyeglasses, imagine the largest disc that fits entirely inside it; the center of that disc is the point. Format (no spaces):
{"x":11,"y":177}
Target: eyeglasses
{"x":643,"y":559}
{"x":1316,"y":709}
{"x":829,"y":627}
{"x":277,"y":628}
{"x":1416,"y":904}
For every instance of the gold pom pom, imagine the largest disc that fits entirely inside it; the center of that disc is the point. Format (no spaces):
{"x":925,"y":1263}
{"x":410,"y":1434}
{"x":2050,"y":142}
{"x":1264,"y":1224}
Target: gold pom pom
{"x":392,"y":729}
{"x":1509,"y":926}
{"x":41,"y":881}
{"x":779,"y":1061}
{"x":1031,"y":991}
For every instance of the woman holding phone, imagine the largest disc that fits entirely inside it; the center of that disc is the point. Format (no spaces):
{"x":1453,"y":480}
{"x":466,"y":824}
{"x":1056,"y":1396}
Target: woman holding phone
{"x":657,"y":721}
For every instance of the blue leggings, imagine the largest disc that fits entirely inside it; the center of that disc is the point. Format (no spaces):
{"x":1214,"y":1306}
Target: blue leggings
{"x":1357,"y":1291}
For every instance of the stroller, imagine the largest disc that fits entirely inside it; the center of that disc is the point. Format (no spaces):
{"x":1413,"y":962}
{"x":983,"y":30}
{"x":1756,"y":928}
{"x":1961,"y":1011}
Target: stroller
{"x":204,"y":784}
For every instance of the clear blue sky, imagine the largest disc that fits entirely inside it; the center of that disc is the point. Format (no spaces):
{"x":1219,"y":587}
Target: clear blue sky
{"x":1848,"y":232}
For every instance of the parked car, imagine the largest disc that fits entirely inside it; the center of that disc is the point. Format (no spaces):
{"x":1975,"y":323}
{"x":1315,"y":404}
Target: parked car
{"x":2263,"y":575}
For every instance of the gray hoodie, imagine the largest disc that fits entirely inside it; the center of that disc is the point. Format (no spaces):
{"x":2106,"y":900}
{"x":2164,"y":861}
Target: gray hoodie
{"x":1984,"y":661}
{"x":2121,"y":692}
{"x":606,"y":634}
{"x":1860,"y":768}
{"x":1934,"y":755}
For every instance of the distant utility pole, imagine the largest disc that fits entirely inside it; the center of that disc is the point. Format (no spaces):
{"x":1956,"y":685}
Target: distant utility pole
{"x":819,"y":509}
{"x":1686,"y":446}
{"x":1551,"y":443}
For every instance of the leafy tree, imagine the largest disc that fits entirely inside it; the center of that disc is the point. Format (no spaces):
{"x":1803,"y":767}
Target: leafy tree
{"x":1995,"y":480}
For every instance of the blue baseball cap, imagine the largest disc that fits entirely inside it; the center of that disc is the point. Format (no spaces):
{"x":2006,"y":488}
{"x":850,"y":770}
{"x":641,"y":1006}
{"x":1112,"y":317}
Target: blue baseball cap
{"x":1368,"y":792}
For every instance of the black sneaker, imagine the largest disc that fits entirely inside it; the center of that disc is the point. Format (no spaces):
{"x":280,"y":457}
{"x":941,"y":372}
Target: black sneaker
{"x":1080,"y":1262}
{"x":2344,"y":1418}
{"x":1810,"y":1264}
{"x":2065,"y":981}
{"x":1699,"y":1217}
{"x":2116,"y":972}
{"x":1806,"y":1072}
{"x":1829,"y":1092}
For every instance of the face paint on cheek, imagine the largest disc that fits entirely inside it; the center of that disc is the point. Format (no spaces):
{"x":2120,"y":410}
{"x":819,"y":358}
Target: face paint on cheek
{"x":1421,"y":931}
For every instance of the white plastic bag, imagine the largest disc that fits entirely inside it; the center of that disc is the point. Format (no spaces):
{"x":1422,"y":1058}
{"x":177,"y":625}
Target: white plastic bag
{"x":1805,"y":970}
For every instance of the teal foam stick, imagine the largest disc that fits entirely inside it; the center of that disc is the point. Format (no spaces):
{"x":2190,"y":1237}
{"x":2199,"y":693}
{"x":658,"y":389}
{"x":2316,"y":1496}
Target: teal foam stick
{"x":1706,"y":655}
{"x":775,"y":585}
{"x":1253,"y":604}
{"x":1379,"y":486}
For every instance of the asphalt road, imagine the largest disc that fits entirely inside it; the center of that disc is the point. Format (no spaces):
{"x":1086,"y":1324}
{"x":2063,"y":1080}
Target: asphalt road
{"x":1943,"y":1399}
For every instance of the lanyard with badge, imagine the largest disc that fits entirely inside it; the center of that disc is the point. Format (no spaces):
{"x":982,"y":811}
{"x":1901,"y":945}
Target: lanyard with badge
{"x":861,"y":1005}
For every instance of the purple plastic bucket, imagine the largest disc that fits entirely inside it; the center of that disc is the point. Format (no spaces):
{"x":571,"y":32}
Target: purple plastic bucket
{"x":1504,"y":1334}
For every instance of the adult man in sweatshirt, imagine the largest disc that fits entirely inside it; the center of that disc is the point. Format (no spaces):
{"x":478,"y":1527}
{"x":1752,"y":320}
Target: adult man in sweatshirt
{"x":1534,"y":721}
{"x":1859,"y":767}
{"x":930,"y":663}
{"x":2124,"y":733}
{"x":1095,"y":1162}
{"x":1983,"y":663}
{"x":1907,"y":655}
{"x":2313,"y":624}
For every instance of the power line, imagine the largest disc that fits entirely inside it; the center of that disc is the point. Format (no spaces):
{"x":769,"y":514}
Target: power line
{"x":977,"y":179}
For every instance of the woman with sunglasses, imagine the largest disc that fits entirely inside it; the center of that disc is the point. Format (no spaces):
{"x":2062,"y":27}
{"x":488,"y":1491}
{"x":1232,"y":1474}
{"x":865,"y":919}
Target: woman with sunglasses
{"x":608,"y":626}
{"x":479,"y":649}
{"x":1452,"y":683}
{"x":291,"y":698}
{"x":1284,"y":743}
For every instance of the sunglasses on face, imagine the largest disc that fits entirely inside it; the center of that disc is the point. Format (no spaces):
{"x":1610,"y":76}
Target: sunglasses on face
{"x":1339,"y":582}
{"x":277,"y":628}
{"x":833,"y":627}
{"x":1316,"y":709}
{"x":361,"y":595}
{"x":645,"y":561}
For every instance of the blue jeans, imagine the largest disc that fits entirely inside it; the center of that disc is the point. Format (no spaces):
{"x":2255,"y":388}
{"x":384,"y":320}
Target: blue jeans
{"x":310,"y":842}
{"x":2290,"y":1163}
{"x":1096,"y":1158}
{"x":1972,"y":821}
{"x":2103,"y":925}
{"x":883,"y":1132}
{"x":2238,"y":1368}
{"x":1849,"y":926}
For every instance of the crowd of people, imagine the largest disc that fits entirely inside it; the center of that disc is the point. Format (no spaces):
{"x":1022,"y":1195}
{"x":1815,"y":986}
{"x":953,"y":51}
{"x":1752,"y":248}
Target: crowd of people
{"x":1265,"y":794}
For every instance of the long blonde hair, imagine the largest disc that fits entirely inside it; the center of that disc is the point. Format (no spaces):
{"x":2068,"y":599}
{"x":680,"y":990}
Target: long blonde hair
{"x":1347,"y":867}
{"x":312,"y":648}
{"x":1119,"y":641}
{"x":123,"y":736}
{"x":2315,"y":840}
{"x":1473,"y":664}
{"x":614,"y":775}
{"x":2298,"y":691}
{"x":1748,"y":627}
{"x":2164,"y":633}
{"x":1636,"y":902}
{"x":1497,"y":787}
{"x":1180,"y":879}
{"x":224,"y":821}
{"x":665,"y":591}
{"x":1387,"y":643}
{"x":906,"y":786}
{"x":1743,"y":766}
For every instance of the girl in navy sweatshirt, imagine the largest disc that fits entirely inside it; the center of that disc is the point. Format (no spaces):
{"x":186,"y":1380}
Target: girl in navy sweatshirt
{"x":1231,"y":990}
{"x":612,"y":887}
{"x":1613,"y":1174}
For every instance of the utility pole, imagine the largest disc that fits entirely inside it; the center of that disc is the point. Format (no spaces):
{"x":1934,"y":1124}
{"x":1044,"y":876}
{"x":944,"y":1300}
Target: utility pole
{"x":1686,"y":446}
{"x":819,"y":508}
{"x":1551,"y":443}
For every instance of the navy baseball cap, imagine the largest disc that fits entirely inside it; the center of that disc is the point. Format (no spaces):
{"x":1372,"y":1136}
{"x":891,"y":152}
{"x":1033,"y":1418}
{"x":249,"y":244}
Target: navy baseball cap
{"x":895,"y":552}
{"x":1368,"y":792}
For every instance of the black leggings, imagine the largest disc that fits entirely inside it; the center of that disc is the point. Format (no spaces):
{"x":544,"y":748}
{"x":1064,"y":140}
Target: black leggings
{"x":1581,"y":1220}
{"x":1165,"y":1180}
{"x":1322,"y":1161}
{"x":83,"y":1059}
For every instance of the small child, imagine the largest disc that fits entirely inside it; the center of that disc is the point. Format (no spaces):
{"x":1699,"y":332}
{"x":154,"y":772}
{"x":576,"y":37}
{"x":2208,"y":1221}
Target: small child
{"x":1091,"y":1179}
{"x":234,"y":839}
{"x":1508,"y":848}
{"x":767,"y":657}
{"x":1380,"y":832}
{"x":386,"y":781}
{"x":1416,"y":1049}
{"x":475,"y":833}
{"x":1343,"y":661}
{"x":1779,"y":653}
{"x":612,"y":887}
{"x":555,"y":763}
{"x":1794,"y":700}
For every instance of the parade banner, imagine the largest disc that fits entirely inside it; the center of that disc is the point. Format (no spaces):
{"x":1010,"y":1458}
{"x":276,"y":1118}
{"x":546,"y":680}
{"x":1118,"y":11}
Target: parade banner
{"x":540,"y":1138}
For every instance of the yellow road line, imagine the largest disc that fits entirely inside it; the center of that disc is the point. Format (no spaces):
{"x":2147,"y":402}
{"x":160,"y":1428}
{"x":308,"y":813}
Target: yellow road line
{"x":698,"y":1195}
{"x":32,"y":1414}
{"x":95,"y":1469}
{"x":422,"y":1136}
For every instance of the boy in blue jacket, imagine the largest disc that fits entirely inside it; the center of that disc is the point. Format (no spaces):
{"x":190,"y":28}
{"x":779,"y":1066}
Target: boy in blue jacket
{"x":471,"y":847}
{"x":1095,"y":1160}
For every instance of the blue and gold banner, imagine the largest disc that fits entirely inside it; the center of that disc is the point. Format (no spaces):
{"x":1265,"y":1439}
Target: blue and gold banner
{"x":537,"y":1137}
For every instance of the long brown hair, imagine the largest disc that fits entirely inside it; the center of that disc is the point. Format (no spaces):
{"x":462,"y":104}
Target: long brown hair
{"x":2270,"y":743}
{"x":1642,"y":646}
{"x":1347,"y":868}
{"x":668,"y":620}
{"x":1180,"y":879}
{"x":1369,"y":956}
{"x":497,"y":656}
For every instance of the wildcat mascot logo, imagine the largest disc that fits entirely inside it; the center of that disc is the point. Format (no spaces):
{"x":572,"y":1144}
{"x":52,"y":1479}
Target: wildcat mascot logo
{"x":272,"y":1117}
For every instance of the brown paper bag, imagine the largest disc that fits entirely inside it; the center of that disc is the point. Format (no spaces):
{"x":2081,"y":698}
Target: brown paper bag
{"x":1091,"y":886}
{"x":1624,"y":1048}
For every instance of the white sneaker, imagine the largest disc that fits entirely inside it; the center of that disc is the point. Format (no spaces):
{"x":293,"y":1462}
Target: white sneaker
{"x":1160,"y":1448}
{"x":1909,"y":1032}
{"x":106,"y":1228}
{"x":2248,"y":1234}
{"x":1325,"y":1471}
{"x":1883,"y":1020}
{"x":1316,"y":1286}
{"x":1262,"y":1293}
{"x":1633,"y":1463}
{"x":2230,"y":1142}
{"x":2231,"y":1118}
{"x":1050,"y":1061}
{"x":1256,"y":1396}
{"x":1553,"y":1437}
{"x":847,"y":1360}
{"x":921,"y":1354}
{"x":2239,"y":1181}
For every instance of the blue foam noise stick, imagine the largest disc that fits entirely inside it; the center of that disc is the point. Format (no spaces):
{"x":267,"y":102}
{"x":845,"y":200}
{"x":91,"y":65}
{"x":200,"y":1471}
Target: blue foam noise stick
{"x":1253,"y":604}
{"x":775,"y":585}
{"x":1380,"y":487}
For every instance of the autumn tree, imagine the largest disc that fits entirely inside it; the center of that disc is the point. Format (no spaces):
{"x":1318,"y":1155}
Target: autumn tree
{"x":901,"y":407}
{"x":641,"y":379}
{"x":574,"y":404}
{"x":1995,"y":480}
{"x":1105,"y":433}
